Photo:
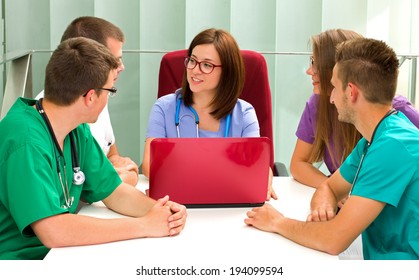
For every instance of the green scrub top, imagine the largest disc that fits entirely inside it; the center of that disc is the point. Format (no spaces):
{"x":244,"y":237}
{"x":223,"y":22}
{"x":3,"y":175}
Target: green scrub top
{"x":30,"y":188}
{"x":389,"y":174}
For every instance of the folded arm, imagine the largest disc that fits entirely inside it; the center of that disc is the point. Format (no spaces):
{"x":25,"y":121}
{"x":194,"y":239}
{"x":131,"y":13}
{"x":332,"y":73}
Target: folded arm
{"x":331,"y":234}
{"x":302,"y":169}
{"x":146,"y":218}
{"x":125,"y":166}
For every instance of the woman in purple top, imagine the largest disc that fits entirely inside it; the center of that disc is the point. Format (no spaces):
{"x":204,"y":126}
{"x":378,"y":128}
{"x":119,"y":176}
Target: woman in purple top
{"x":321,"y":136}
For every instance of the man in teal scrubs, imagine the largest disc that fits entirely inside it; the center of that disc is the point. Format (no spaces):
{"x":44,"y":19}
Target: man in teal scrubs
{"x":42,"y":146}
{"x":381,"y":175}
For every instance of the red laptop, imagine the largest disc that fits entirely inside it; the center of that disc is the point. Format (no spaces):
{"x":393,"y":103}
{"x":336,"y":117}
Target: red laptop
{"x":210,"y":172}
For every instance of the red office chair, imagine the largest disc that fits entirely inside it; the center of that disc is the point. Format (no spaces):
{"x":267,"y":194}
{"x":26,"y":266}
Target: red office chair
{"x":256,"y":90}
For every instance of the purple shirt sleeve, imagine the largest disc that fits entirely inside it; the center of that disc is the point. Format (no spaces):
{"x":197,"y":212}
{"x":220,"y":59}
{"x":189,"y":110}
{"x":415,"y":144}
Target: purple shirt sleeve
{"x":400,"y":103}
{"x":307,"y":126}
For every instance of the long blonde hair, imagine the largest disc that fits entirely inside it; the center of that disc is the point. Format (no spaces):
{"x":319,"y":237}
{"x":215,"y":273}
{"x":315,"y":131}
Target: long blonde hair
{"x":343,"y":135}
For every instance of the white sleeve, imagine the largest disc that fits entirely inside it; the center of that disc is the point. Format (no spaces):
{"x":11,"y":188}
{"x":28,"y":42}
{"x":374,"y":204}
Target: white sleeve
{"x":102,"y":130}
{"x":40,"y":95}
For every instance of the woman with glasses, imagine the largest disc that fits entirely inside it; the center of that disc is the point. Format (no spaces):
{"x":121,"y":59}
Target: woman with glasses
{"x":207,"y":104}
{"x":321,"y":136}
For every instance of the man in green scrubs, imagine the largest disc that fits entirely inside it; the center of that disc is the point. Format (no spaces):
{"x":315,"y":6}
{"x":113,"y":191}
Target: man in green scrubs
{"x":381,"y":175}
{"x":43,"y":146}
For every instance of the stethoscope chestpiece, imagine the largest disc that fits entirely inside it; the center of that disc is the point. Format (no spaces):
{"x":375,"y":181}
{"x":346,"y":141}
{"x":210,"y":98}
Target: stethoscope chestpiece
{"x":78,"y":176}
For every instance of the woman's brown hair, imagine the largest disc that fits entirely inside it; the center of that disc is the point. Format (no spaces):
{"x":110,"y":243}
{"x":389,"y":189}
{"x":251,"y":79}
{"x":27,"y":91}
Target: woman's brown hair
{"x":232,"y":75}
{"x":343,"y":135}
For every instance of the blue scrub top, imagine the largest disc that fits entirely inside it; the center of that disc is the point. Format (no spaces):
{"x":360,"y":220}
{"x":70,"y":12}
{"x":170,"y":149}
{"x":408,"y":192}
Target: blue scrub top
{"x":244,"y":122}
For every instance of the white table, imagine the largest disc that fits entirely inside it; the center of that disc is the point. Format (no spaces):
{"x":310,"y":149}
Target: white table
{"x":216,"y":236}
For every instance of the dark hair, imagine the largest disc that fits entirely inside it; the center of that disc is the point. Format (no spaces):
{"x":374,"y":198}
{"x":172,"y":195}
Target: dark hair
{"x":93,"y":28}
{"x":232,"y":73}
{"x":370,"y":64}
{"x":76,"y":66}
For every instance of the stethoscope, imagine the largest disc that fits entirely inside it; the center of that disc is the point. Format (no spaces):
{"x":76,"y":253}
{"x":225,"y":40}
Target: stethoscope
{"x":78,"y":175}
{"x":177,"y":119}
{"x":366,"y":147}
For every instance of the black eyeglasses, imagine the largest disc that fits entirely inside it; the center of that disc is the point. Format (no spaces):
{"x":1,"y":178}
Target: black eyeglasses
{"x":111,"y":91}
{"x":205,"y":66}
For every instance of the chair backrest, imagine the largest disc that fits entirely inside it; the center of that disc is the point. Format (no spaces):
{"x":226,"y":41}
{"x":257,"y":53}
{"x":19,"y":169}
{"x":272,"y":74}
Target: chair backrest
{"x":256,"y":89}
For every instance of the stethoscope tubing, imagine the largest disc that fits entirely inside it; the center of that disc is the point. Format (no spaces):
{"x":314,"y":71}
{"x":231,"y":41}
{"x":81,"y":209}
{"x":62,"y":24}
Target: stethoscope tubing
{"x":177,"y":119}
{"x":78,"y":175}
{"x":367,"y":146}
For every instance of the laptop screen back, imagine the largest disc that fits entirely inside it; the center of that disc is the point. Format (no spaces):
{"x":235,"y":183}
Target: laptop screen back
{"x":210,"y":172}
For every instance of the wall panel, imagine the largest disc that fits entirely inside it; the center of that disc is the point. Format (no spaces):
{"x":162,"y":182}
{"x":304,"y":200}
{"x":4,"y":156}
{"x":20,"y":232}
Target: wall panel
{"x":268,"y":26}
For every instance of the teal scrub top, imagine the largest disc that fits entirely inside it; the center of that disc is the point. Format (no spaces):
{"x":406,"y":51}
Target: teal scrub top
{"x":30,"y":188}
{"x":389,"y":174}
